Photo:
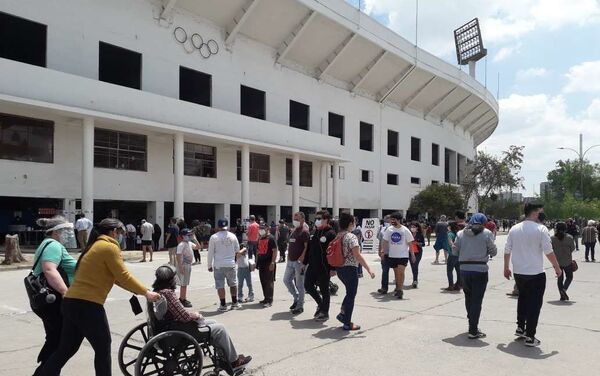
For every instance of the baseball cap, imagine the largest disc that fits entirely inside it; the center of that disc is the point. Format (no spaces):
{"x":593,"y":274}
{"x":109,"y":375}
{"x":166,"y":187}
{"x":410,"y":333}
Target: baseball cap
{"x":185,"y":231}
{"x":222,"y":223}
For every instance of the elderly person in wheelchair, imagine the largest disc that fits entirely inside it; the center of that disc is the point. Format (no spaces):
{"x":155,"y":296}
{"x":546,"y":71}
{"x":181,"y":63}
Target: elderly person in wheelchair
{"x":193,"y":323}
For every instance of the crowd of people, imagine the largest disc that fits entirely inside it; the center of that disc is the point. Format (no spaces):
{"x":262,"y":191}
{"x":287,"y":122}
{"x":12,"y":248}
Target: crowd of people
{"x":235,"y":252}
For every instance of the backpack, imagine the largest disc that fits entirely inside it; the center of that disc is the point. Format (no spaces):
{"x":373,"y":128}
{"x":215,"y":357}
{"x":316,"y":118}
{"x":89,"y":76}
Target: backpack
{"x":335,"y":253}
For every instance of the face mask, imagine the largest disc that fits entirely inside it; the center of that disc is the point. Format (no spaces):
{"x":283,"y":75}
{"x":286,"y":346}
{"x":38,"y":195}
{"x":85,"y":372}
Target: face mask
{"x":120,"y":238}
{"x":262,"y":232}
{"x":296,"y":223}
{"x":67,"y":237}
{"x":542,"y":217}
{"x":318,"y":223}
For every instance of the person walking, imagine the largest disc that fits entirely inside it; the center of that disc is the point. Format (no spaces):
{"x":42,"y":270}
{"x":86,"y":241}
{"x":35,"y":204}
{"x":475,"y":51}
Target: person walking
{"x":317,"y":269}
{"x":222,"y":248}
{"x":573,"y":230}
{"x":171,"y":242}
{"x":527,"y":243}
{"x":83,"y":227}
{"x":452,"y":261}
{"x":357,"y":231}
{"x":252,"y":237}
{"x":265,"y":262}
{"x":417,"y":247}
{"x":441,"y":239}
{"x":283,"y":238}
{"x":185,"y":258}
{"x":294,"y":271}
{"x":589,"y":235}
{"x":98,"y":269}
{"x":472,"y":248}
{"x":398,"y":239}
{"x":147,"y":230}
{"x":384,"y":257}
{"x":58,"y":267}
{"x":348,"y":273}
{"x":564,"y":246}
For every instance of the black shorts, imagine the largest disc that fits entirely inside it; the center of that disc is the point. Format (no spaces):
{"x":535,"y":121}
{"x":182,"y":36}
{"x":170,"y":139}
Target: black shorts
{"x":394,"y":262}
{"x":146,"y":242}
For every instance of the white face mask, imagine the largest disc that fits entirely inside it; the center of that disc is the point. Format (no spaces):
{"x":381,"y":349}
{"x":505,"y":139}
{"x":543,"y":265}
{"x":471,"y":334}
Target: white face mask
{"x":318,"y":223}
{"x":296,"y":223}
{"x":262,"y":232}
{"x":67,"y":238}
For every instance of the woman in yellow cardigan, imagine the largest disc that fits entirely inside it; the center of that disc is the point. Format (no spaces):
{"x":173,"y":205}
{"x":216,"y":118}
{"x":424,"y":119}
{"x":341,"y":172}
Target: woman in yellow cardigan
{"x":99,"y":267}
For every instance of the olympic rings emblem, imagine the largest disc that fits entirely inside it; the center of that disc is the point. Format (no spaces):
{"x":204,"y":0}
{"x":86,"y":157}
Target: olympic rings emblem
{"x":195,"y":42}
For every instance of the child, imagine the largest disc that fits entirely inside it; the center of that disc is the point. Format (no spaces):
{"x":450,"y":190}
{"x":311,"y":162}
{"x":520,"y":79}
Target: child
{"x":185,"y":258}
{"x":165,"y":286}
{"x":244,"y":274}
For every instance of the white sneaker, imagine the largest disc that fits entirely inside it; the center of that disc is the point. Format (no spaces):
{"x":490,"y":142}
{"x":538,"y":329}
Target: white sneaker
{"x":236,"y":306}
{"x":532,"y":342}
{"x":222,"y":308}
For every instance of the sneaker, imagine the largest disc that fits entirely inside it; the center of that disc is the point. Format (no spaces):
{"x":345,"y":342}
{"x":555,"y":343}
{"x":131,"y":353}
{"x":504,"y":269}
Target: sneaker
{"x":223,"y":308}
{"x":236,"y":305}
{"x":479,"y":334}
{"x":532,"y":342}
{"x":267,"y":304}
{"x":563,"y":295}
{"x":520,"y":333}
{"x":242,"y":361}
{"x":317,"y":313}
{"x":399,"y":294}
{"x":415,"y":284}
{"x":586,"y":260}
{"x":293,"y":306}
{"x":186,"y":303}
{"x":382,"y":292}
{"x":262,"y":301}
{"x":297,"y":311}
{"x":448,"y":289}
{"x":321,"y":317}
{"x":250,"y":299}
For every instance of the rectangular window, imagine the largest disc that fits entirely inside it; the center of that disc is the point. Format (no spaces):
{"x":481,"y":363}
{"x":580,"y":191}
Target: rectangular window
{"x":299,"y":115}
{"x":342,"y":173}
{"x":22,"y":40}
{"x":199,"y":160}
{"x":392,"y":179}
{"x":415,"y":149}
{"x":252,"y":102}
{"x":336,"y":126}
{"x":414,"y":180}
{"x":120,"y":66}
{"x":366,"y":176}
{"x":435,"y":154}
{"x":305,"y":173}
{"x":195,"y":86}
{"x":392,"y":142}
{"x":26,"y":139}
{"x":434,"y":182}
{"x":119,"y":150}
{"x":260,"y":169}
{"x":366,"y":136}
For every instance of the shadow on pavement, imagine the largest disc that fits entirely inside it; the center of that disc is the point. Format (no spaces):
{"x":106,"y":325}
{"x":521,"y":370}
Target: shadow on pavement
{"x":337,"y":333}
{"x":283,"y":316}
{"x":517,"y":348}
{"x":307,"y":324}
{"x":461,"y":340}
{"x":561,"y":302}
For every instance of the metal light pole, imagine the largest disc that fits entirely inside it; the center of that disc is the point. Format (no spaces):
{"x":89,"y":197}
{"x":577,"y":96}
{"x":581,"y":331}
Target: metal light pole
{"x":581,"y":154}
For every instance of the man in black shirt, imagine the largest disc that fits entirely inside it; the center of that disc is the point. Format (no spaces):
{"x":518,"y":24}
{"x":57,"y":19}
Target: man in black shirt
{"x":318,"y":271}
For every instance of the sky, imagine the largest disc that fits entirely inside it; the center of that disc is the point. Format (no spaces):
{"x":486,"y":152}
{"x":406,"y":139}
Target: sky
{"x":547,"y":55}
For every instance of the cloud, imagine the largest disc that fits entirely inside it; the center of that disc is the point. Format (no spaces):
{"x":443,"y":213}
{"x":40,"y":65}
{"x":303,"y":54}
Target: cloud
{"x":529,"y":73}
{"x":584,"y":77}
{"x":593,"y":111}
{"x":505,"y":52}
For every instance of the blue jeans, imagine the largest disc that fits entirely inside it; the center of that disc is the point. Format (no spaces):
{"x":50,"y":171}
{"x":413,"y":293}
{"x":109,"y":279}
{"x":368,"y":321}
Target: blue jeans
{"x":451,"y":265}
{"x":385,"y":273}
{"x":244,"y":274}
{"x":252,"y":249}
{"x":349,"y":277}
{"x":293,"y":279}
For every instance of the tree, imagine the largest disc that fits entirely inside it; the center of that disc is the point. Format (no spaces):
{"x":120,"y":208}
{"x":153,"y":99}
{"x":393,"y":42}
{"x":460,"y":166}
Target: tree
{"x":566,"y":179}
{"x":438,"y":199}
{"x":489,"y":174}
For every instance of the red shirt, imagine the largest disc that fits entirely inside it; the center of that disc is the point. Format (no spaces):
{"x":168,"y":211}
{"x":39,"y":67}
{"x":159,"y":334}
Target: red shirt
{"x":252,"y":232}
{"x":490,"y":225}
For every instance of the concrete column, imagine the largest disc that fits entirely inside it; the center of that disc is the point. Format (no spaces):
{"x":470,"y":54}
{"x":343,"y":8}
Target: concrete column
{"x":69,"y":209}
{"x":245,"y":182}
{"x":277,"y":213}
{"x":155,"y":213}
{"x":178,"y":178}
{"x":335,"y":189}
{"x":222,"y":211}
{"x":323,"y":185}
{"x":87,"y":169}
{"x":295,"y":183}
{"x":272,"y":213}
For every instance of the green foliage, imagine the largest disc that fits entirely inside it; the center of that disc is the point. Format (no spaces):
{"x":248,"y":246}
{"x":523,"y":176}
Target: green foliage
{"x":570,"y":207}
{"x":438,"y":199}
{"x":501,"y":208}
{"x":567,"y":177}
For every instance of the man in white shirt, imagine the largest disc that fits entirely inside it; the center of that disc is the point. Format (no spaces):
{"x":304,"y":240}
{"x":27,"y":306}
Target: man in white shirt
{"x":222,"y":247}
{"x":527,"y":243}
{"x":397,"y":240}
{"x":83,"y":227}
{"x":147,"y":229}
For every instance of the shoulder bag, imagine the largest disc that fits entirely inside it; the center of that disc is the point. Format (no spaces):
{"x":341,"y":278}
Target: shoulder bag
{"x":38,"y":289}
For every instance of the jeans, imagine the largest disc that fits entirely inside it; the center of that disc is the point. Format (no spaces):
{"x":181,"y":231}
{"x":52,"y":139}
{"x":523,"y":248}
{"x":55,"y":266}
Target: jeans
{"x":474,"y":285}
{"x":349,"y":277}
{"x":531,"y":296}
{"x":567,"y":272}
{"x":385,"y":273}
{"x":414,"y":266}
{"x":576,"y":241}
{"x":52,"y":319}
{"x":252,"y":249}
{"x":293,"y":279}
{"x":451,"y":265}
{"x":318,"y":277}
{"x":590,"y":247}
{"x":197,"y":257}
{"x":244,"y":274}
{"x":81,"y":319}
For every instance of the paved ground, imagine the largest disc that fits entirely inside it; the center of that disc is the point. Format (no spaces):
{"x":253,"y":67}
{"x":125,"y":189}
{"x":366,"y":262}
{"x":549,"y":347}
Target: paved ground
{"x":421,"y":335}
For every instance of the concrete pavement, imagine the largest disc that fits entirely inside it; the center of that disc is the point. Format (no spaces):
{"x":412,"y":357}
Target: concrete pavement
{"x":424,"y":334}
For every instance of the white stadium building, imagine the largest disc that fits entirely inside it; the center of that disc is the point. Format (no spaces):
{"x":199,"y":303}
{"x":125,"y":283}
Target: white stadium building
{"x":223,"y":108}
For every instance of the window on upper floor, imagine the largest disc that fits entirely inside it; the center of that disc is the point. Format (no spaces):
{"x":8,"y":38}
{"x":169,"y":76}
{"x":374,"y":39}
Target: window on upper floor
{"x":120,"y":150}
{"x":415,"y":149}
{"x":299,"y":115}
{"x":435,"y":154}
{"x":392,"y":143}
{"x":392,"y":179}
{"x":366,"y":136}
{"x":252,"y":102}
{"x":199,"y":160}
{"x":120,"y":66}
{"x":195,"y":86}
{"x":306,"y":174}
{"x":336,"y":126}
{"x":366,"y":176}
{"x":414,"y":180}
{"x":26,"y":139}
{"x":260,"y":167}
{"x":22,"y":40}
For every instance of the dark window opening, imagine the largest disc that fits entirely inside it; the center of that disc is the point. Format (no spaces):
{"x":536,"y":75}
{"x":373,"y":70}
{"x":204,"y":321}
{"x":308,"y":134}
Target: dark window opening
{"x":299,"y":115}
{"x":22,"y":40}
{"x":366,"y":136}
{"x":415,"y":149}
{"x":392,"y":179}
{"x":392,"y":142}
{"x":414,"y":180}
{"x":446,"y":166}
{"x":119,"y":150}
{"x":195,"y":86}
{"x":252,"y":102}
{"x":120,"y":66}
{"x":435,"y":154}
{"x":336,"y":126}
{"x":26,"y":139}
{"x":260,"y":169}
{"x":434,"y":182}
{"x":365,"y":176}
{"x":305,"y":173}
{"x":200,"y":160}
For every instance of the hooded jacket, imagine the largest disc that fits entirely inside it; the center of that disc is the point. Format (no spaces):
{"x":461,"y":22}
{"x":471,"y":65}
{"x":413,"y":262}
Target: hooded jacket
{"x":473,"y":246}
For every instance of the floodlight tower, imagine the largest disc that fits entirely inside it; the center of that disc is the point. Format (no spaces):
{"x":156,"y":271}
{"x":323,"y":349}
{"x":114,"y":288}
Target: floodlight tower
{"x":469,"y":45}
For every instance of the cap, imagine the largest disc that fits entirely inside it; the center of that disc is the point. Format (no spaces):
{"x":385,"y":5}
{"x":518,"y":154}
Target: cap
{"x":222,"y":223}
{"x":185,"y":231}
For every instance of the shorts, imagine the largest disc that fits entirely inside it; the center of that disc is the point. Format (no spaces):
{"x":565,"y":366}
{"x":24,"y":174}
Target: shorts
{"x":146,"y":242}
{"x":184,"y":279}
{"x":222,"y":274}
{"x":394,"y":262}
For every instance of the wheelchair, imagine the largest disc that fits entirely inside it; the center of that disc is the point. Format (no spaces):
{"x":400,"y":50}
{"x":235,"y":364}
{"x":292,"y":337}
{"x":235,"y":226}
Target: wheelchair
{"x":156,"y":348}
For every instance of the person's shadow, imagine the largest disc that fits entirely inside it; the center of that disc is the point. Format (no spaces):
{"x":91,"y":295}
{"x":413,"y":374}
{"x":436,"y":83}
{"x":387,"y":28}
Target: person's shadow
{"x":337,"y":333}
{"x":561,"y":302}
{"x":462,"y":340}
{"x":307,"y":324}
{"x":517,"y":348}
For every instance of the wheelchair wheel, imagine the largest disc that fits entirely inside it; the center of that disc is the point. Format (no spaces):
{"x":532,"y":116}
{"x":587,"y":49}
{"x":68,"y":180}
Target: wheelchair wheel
{"x":130,"y":348}
{"x":168,"y":354}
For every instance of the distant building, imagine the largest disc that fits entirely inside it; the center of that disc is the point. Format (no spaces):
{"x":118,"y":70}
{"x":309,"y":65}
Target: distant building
{"x":545,"y":189}
{"x":511,"y":196}
{"x":529,"y":199}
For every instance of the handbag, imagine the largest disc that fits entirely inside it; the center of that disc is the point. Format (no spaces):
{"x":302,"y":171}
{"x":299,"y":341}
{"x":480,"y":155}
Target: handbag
{"x":38,"y":290}
{"x":574,"y":266}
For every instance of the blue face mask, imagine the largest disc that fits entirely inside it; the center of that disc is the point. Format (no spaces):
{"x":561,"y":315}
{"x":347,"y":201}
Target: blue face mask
{"x":120,"y":238}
